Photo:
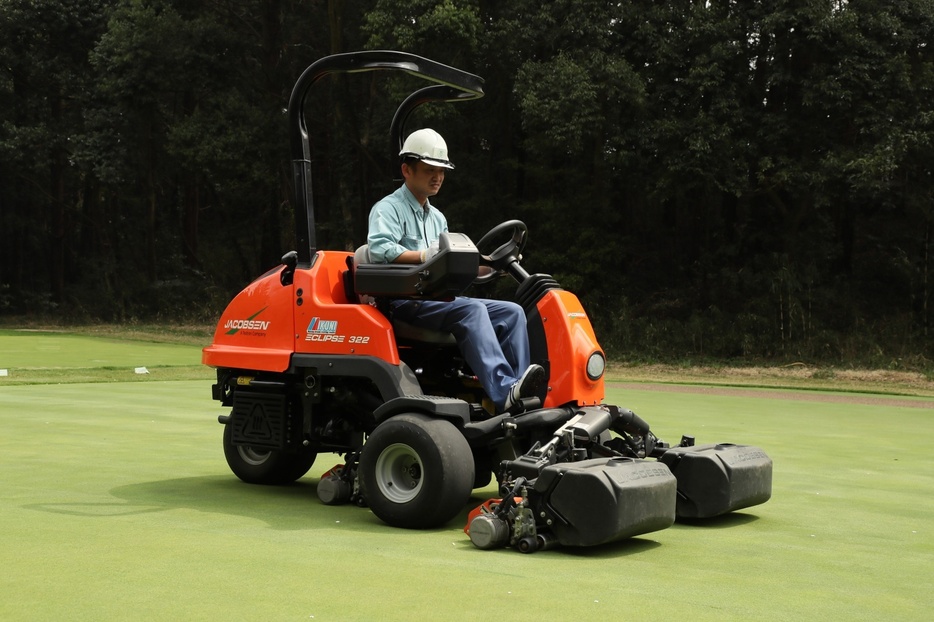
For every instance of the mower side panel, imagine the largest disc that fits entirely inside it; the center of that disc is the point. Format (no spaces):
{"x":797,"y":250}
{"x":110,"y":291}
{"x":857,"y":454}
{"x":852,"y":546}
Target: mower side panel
{"x":328,"y":322}
{"x":267,"y":322}
{"x":716,"y":479}
{"x":571,"y":340}
{"x":255,"y":331}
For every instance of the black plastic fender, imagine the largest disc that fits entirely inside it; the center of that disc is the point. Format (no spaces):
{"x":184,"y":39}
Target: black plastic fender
{"x":454,"y":410}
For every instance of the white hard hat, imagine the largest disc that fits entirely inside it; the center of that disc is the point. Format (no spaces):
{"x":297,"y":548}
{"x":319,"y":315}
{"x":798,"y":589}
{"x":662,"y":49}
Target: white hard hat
{"x":427,"y":146}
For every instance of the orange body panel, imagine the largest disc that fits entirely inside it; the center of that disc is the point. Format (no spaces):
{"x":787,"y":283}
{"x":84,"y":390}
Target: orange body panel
{"x":267,"y":322}
{"x":326,"y":322}
{"x":571,"y":341}
{"x":255,"y":330}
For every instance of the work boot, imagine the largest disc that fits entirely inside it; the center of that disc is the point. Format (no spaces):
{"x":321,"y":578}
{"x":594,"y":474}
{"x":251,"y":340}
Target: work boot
{"x":528,"y":385}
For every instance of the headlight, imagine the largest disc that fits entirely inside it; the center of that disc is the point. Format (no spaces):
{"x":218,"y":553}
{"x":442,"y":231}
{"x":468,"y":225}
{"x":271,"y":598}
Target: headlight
{"x":596,"y":365}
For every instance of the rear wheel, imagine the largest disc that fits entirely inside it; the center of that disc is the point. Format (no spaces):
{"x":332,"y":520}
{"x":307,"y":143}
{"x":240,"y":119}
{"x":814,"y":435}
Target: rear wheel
{"x":256,"y":465}
{"x":416,"y":472}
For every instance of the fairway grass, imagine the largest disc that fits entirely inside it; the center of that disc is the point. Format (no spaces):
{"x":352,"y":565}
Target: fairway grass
{"x":116,"y":504}
{"x":56,"y":357}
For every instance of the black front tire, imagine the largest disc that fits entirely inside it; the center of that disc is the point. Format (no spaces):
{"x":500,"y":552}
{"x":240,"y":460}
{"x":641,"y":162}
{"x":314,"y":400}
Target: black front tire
{"x":265,"y":466}
{"x":416,"y":472}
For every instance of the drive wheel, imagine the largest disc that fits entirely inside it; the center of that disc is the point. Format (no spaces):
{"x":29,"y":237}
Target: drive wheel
{"x":264,"y":466}
{"x":416,"y":472}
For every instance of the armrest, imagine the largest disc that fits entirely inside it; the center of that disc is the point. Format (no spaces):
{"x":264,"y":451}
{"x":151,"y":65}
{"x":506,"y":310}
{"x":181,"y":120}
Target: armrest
{"x":447,"y":274}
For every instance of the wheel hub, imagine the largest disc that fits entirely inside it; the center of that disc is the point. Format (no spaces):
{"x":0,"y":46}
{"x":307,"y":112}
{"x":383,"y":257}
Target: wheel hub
{"x":399,"y":473}
{"x":252,"y":456}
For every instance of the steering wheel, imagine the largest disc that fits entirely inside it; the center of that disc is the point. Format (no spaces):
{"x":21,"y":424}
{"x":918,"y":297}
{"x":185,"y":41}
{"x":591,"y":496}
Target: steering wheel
{"x":506,"y":253}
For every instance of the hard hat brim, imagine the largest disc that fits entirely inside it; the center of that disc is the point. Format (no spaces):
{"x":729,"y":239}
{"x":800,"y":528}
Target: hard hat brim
{"x":433,"y":161}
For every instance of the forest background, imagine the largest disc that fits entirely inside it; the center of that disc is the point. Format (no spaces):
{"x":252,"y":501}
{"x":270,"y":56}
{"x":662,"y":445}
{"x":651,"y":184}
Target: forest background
{"x":716,"y":179}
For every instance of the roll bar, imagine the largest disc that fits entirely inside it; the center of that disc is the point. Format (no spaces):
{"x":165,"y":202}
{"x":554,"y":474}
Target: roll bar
{"x":451,"y":85}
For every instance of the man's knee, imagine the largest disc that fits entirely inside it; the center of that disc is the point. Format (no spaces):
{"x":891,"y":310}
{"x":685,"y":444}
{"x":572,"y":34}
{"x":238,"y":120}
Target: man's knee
{"x":504,"y":312}
{"x":516,"y":311}
{"x":467,"y":315}
{"x":471,"y":308}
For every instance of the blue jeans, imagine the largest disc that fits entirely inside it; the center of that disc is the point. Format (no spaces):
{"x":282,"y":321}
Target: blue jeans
{"x":491,"y":334}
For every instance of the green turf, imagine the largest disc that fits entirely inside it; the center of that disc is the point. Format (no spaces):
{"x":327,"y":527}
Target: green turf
{"x":116,"y":504}
{"x":42,"y":357}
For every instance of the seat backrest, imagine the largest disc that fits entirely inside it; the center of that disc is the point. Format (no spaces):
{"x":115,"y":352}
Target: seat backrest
{"x":361,"y":255}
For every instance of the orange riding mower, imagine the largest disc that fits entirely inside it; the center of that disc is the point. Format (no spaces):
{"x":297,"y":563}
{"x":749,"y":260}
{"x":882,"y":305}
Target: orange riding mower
{"x":308,"y":362}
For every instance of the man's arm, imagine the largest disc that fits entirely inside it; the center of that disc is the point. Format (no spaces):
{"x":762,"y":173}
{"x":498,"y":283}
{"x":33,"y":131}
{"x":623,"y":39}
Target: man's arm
{"x":385,"y":231}
{"x":411,"y":257}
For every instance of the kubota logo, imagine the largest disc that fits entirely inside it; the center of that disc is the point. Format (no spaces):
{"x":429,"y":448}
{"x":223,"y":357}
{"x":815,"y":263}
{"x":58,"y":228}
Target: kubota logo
{"x":250,"y":323}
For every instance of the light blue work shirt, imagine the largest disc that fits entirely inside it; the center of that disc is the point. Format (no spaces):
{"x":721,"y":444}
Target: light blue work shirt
{"x":398,"y":223}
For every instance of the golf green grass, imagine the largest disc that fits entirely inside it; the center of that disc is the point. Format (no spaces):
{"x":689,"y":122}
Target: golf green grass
{"x":116,"y":504}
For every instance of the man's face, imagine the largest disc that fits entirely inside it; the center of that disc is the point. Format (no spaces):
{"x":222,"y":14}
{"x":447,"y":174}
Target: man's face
{"x":424,"y":180}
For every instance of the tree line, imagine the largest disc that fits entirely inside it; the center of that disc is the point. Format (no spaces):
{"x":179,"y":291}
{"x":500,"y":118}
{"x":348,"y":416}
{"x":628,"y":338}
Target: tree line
{"x":714,"y":178}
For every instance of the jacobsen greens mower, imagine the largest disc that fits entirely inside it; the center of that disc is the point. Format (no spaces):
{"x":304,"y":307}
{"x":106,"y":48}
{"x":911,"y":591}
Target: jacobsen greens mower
{"x":308,"y":363}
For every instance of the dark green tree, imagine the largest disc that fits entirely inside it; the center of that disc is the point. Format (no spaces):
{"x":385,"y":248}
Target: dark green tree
{"x":44,"y":47}
{"x":713,"y":178}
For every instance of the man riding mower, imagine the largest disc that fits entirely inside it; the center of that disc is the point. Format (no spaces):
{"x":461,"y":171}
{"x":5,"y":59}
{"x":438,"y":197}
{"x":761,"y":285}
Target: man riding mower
{"x":308,"y":362}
